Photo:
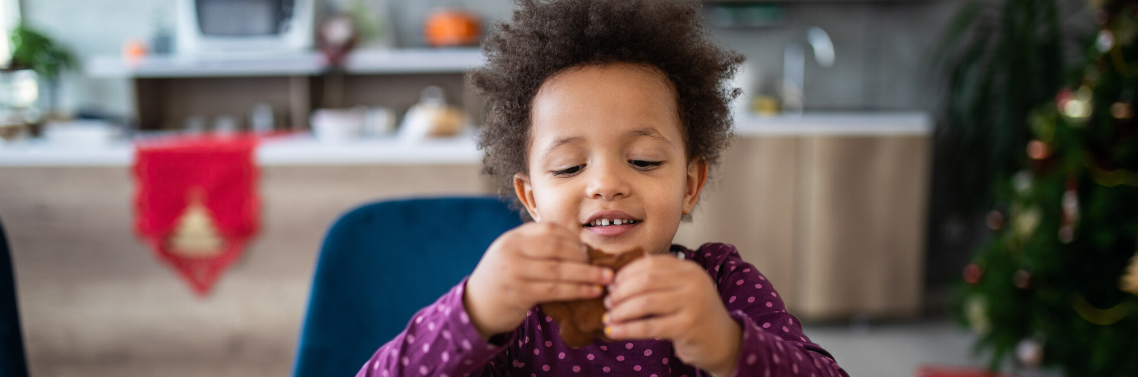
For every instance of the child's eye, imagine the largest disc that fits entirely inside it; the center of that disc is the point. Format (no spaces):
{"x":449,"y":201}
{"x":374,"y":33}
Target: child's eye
{"x":569,"y":171}
{"x":645,"y":164}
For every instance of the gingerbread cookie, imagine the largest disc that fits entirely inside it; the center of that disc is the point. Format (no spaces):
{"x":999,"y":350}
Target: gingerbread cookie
{"x":580,"y":320}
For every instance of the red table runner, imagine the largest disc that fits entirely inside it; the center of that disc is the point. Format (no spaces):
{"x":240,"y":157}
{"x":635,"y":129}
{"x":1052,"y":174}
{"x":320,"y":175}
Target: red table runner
{"x":196,"y":203}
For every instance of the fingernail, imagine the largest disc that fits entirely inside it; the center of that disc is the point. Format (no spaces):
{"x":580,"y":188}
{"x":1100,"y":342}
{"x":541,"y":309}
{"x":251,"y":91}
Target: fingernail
{"x":608,"y":302}
{"x":607,"y":275}
{"x":608,"y":331}
{"x":598,"y":289}
{"x":605,"y":318}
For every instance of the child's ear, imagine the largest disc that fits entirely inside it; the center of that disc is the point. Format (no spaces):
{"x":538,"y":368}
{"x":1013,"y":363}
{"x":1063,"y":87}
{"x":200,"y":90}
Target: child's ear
{"x":697,"y":177}
{"x":524,"y":191}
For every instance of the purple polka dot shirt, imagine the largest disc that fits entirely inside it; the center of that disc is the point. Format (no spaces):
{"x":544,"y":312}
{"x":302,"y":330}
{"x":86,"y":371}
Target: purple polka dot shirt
{"x":441,"y":341}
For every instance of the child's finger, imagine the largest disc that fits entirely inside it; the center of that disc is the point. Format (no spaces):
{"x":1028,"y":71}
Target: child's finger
{"x":549,"y":246}
{"x":647,"y":264}
{"x":658,"y":327}
{"x":565,"y":271}
{"x":631,"y":282}
{"x":548,"y":291}
{"x":657,"y":303}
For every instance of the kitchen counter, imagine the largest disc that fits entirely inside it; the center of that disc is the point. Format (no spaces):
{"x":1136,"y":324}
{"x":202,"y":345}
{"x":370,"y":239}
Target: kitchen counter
{"x":305,"y":150}
{"x":293,"y":150}
{"x":837,"y":124}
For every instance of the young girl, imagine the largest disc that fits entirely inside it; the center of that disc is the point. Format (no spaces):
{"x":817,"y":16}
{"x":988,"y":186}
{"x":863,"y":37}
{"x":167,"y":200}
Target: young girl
{"x":604,"y":119}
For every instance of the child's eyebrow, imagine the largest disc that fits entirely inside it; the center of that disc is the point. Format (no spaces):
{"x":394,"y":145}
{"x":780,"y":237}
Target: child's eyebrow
{"x":646,"y":132}
{"x":559,"y":142}
{"x":649,"y":132}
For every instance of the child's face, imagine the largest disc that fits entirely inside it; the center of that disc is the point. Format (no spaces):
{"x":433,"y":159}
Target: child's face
{"x":606,"y":144}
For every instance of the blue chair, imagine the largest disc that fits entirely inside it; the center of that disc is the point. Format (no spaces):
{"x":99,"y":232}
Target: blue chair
{"x":381,"y":263}
{"x":12,"y":362}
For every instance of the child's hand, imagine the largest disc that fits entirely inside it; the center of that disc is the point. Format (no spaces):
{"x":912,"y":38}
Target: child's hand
{"x":663,"y":297}
{"x":531,"y":264}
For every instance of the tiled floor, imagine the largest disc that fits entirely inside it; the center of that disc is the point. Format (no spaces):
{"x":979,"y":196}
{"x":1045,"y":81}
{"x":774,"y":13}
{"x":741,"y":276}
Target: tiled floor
{"x":895,"y":349}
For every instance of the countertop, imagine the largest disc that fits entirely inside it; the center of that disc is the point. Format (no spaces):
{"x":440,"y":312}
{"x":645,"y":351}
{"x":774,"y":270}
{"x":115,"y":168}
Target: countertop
{"x":303,"y":149}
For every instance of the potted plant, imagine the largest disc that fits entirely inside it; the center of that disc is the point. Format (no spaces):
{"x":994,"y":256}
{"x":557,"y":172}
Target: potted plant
{"x":36,"y":51}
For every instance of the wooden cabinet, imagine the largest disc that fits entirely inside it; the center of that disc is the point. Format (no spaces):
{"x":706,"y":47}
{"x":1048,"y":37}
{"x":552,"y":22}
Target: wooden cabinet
{"x":835,"y":221}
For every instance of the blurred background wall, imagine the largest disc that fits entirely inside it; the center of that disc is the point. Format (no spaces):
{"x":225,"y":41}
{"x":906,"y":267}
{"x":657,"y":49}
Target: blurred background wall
{"x":883,"y":48}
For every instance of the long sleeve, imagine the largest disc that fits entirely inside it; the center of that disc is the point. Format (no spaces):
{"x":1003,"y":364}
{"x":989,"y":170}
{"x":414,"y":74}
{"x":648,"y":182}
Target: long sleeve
{"x":441,"y":341}
{"x":773,"y":343}
{"x":765,"y":354}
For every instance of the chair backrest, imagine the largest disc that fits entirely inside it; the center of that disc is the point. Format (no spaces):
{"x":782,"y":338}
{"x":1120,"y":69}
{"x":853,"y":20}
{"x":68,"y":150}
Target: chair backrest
{"x":381,"y":263}
{"x":12,"y":362}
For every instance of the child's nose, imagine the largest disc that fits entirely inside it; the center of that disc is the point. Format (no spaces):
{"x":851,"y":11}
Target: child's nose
{"x":607,"y":182}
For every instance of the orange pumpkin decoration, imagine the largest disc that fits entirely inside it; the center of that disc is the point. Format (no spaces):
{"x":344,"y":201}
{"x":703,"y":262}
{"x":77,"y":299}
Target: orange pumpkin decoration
{"x":450,"y":27}
{"x":133,"y":51}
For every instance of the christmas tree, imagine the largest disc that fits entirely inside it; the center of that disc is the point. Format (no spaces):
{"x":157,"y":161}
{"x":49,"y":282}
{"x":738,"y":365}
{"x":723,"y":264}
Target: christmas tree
{"x":195,"y":235}
{"x":1056,"y":286}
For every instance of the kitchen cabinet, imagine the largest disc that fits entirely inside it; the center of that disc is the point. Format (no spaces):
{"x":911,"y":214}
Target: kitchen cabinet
{"x":831,"y":208}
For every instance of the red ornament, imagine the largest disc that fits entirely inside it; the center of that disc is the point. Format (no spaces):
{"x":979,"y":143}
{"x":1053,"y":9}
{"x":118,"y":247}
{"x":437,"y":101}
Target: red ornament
{"x":1038,"y":150}
{"x":1101,"y":17}
{"x":1022,"y":279}
{"x":196,"y":203}
{"x":994,"y":220}
{"x":973,"y":273}
{"x":1065,"y":95}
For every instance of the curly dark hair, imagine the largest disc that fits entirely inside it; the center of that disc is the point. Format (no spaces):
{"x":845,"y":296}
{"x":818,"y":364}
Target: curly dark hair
{"x":547,"y":38}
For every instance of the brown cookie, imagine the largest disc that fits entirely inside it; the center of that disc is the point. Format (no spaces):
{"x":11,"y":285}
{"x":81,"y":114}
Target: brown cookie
{"x":580,"y":320}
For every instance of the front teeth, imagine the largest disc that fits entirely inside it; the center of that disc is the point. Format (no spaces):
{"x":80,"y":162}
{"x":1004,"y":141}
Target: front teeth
{"x":607,"y":222}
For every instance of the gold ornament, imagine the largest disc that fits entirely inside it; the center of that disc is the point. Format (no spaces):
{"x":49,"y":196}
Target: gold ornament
{"x":1129,"y":281}
{"x":1027,"y":220}
{"x":1092,"y":314}
{"x":1079,"y":107}
{"x":196,"y":236}
{"x":976,"y":310}
{"x":1111,"y":178}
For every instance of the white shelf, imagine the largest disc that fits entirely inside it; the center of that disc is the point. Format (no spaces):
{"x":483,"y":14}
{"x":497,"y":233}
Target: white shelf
{"x":392,"y":61}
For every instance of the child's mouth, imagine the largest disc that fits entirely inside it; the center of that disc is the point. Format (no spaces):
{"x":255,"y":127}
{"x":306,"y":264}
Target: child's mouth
{"x":607,"y":222}
{"x":611,"y":227}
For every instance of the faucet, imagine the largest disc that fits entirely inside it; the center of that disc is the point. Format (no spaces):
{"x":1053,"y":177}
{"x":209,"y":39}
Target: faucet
{"x":794,"y":67}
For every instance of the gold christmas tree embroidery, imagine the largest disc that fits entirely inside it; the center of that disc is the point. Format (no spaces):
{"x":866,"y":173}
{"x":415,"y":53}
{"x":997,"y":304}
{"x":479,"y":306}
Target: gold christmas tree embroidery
{"x":195,"y":235}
